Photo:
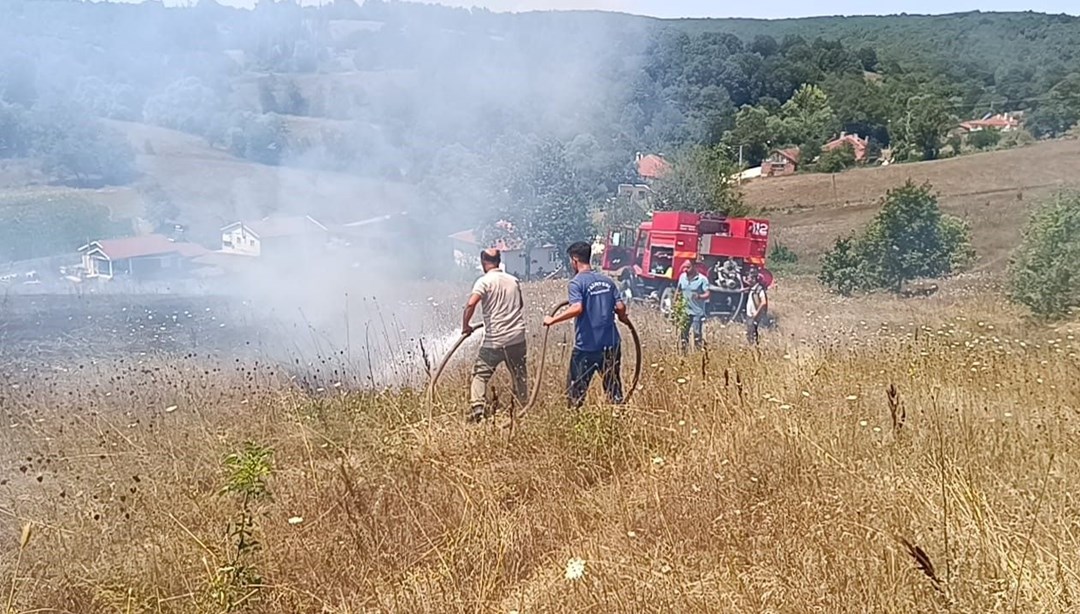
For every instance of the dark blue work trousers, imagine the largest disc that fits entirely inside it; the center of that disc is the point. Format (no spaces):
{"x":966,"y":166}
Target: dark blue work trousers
{"x":584,"y":365}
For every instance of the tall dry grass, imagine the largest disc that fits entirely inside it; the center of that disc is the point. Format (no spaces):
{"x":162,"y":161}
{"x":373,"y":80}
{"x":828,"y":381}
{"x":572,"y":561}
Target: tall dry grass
{"x":872,"y":455}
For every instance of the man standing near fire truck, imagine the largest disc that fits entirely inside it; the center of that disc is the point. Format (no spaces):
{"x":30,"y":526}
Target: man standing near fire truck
{"x":499,"y":293}
{"x":757,"y":307}
{"x":694,"y":287}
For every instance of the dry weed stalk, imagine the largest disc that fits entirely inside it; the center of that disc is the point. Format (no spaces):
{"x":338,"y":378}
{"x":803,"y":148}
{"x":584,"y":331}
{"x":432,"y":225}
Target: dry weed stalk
{"x":896,"y":408}
{"x":24,"y":541}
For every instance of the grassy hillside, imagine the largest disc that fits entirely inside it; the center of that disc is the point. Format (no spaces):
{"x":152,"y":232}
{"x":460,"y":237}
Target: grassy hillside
{"x":993,"y":192}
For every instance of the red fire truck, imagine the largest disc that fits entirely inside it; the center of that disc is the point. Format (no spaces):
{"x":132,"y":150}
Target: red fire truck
{"x":647,"y":259}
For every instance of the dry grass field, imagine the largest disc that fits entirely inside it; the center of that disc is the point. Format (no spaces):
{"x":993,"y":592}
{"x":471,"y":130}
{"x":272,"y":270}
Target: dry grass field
{"x":783,"y":479}
{"x":993,"y":191}
{"x":874,"y":454}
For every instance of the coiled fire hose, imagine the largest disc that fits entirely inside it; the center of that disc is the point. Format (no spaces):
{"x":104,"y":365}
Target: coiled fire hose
{"x":540,"y":370}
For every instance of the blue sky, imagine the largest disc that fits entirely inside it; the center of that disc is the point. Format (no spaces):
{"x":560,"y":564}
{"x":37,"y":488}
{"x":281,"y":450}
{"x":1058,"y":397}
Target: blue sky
{"x":776,"y":8}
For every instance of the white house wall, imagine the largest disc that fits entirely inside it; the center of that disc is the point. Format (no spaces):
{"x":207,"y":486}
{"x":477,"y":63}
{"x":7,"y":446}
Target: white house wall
{"x":239,"y":240}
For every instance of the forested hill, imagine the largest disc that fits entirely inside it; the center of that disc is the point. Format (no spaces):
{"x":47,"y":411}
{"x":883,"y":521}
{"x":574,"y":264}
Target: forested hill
{"x":461,"y":104}
{"x":972,"y":38}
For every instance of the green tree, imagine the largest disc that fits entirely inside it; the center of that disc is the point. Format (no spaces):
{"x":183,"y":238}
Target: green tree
{"x":186,"y":105}
{"x":751,"y":132}
{"x":836,"y":159}
{"x":700,"y":179}
{"x":541,"y":202}
{"x":908,"y":239}
{"x":1061,"y":110}
{"x":921,"y":122}
{"x":80,"y":150}
{"x":805,"y":118}
{"x":1044,"y":271}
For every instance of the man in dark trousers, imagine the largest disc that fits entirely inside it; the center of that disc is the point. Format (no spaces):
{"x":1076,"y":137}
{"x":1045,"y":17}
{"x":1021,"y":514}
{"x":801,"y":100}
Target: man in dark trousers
{"x":757,"y":308}
{"x":595,"y":302}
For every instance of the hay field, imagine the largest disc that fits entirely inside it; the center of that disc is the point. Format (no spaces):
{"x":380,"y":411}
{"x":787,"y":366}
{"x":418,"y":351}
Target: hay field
{"x":782,"y":479}
{"x":993,"y":191}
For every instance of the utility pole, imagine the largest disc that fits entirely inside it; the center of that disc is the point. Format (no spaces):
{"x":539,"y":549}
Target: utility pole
{"x":740,"y":164}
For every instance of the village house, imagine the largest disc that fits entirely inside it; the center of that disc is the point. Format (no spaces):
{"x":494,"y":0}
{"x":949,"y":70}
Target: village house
{"x":1005,"y":122}
{"x":276,"y":235}
{"x":860,"y":146}
{"x":466,"y":246}
{"x":781,"y":162}
{"x":145,"y":257}
{"x":651,"y":167}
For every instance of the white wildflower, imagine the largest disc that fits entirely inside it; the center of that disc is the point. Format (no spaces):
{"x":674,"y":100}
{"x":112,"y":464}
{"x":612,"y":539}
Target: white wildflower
{"x":575,"y":569}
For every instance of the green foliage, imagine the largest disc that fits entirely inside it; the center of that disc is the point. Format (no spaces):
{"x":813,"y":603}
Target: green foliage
{"x":700,"y":179}
{"x":248,"y":470}
{"x":805,"y":118}
{"x":836,"y":159}
{"x":1061,"y":110}
{"x":1016,"y":138}
{"x":843,"y":268}
{"x":985,"y":139}
{"x":908,"y":239}
{"x":263,"y":138}
{"x":782,"y":257}
{"x":236,"y":584}
{"x":15,"y":139}
{"x":114,"y":101}
{"x":680,"y":312}
{"x":751,"y":132}
{"x":921,"y":123}
{"x":1044,"y":272}
{"x":541,"y":201}
{"x":186,"y":105}
{"x":38,"y":227}
{"x":594,"y":432}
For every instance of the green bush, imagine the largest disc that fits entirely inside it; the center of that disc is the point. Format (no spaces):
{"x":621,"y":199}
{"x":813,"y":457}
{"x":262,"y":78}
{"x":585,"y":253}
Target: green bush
{"x":985,"y":139}
{"x":38,"y":227}
{"x":1016,"y":138}
{"x":782,"y":257}
{"x":908,"y":239}
{"x":1044,"y":272}
{"x":836,"y":159}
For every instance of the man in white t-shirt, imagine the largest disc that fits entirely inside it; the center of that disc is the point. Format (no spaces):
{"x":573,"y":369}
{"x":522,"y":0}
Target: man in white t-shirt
{"x":499,"y":295}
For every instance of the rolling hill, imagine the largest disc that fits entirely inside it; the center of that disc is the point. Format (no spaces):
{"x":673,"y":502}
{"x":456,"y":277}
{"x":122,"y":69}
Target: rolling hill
{"x":993,"y":191}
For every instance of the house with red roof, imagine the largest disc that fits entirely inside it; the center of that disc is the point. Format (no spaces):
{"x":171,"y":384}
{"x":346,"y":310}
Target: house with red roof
{"x":859,"y":145}
{"x":1005,"y":122}
{"x":143,"y":257}
{"x":651,"y":166}
{"x":780,"y":162}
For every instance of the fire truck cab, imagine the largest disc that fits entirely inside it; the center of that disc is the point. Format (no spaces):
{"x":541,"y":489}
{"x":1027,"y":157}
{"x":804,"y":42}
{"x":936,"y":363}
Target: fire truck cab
{"x":647,"y":259}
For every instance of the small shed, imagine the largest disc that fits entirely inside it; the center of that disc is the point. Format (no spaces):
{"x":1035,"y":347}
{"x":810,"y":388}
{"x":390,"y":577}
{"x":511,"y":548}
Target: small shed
{"x":545,"y":258}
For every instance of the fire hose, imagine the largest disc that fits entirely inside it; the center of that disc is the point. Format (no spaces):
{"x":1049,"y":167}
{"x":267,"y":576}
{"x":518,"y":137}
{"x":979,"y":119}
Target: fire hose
{"x":540,"y":371}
